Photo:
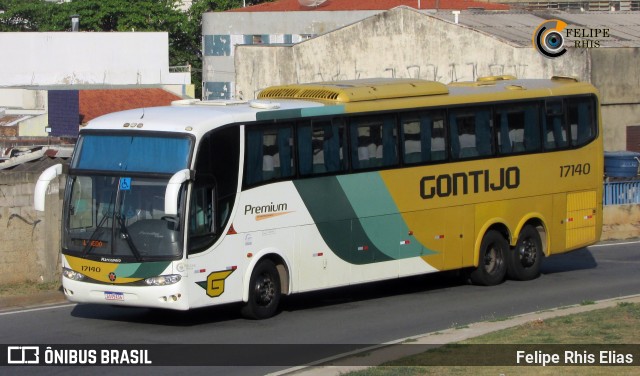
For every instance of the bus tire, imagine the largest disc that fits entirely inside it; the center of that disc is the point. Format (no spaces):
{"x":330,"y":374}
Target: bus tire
{"x":492,"y":266}
{"x":264,"y":292}
{"x":523,"y":263}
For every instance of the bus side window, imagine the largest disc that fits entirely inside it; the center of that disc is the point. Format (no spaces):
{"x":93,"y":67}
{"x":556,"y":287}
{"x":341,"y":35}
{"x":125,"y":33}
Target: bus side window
{"x":320,"y":145}
{"x":201,"y":217}
{"x":517,"y":129}
{"x":269,"y":154}
{"x":374,"y":142}
{"x":423,"y":137}
{"x":470,"y":133}
{"x":554,"y":126}
{"x":581,"y":117}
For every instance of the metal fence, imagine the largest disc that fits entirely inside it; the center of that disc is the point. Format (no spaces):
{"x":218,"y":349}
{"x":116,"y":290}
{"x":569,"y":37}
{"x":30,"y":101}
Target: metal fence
{"x":621,"y":192}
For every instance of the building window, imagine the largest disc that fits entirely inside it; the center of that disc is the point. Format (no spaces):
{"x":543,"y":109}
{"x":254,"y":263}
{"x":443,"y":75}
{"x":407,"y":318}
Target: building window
{"x":256,"y":39}
{"x":217,"y":45}
{"x":633,"y":138}
{"x":216,"y":90}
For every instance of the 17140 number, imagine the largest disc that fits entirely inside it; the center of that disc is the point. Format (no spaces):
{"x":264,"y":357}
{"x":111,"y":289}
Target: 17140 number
{"x":575,"y":169}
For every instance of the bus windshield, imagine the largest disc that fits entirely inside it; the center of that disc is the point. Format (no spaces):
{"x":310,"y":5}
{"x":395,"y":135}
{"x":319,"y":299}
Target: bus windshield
{"x":116,"y":193}
{"x":120,"y":217}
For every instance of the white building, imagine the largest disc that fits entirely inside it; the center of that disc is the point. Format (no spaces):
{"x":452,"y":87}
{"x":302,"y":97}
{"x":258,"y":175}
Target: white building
{"x":37,"y":64}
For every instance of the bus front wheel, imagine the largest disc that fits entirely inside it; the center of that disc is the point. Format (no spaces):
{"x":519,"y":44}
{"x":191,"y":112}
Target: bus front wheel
{"x":524,"y":260}
{"x":492,"y":266}
{"x":264,"y":292}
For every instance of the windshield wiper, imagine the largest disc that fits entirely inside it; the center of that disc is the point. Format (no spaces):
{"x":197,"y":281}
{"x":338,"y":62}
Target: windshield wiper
{"x":127,"y":237}
{"x":89,"y":246}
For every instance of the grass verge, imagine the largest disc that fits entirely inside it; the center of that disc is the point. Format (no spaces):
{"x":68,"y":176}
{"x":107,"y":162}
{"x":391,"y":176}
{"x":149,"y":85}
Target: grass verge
{"x":28,"y":288}
{"x":608,"y":326}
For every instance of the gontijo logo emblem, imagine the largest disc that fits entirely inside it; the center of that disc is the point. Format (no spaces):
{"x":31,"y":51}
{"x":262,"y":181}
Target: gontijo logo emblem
{"x":548,"y":40}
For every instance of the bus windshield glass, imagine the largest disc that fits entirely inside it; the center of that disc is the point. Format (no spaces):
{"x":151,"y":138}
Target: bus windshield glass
{"x":120,"y":217}
{"x":132,"y":153}
{"x":116,"y":193}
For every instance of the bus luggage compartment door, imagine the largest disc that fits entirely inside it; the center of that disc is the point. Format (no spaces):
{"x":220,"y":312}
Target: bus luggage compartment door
{"x":580,"y":222}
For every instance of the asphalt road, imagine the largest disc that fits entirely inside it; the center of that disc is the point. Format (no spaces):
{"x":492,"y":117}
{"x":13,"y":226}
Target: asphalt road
{"x":367,"y":314}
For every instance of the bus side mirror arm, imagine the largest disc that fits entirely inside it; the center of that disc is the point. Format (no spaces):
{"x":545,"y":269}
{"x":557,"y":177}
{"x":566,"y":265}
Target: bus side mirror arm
{"x":173,"y":190}
{"x":42,"y":185}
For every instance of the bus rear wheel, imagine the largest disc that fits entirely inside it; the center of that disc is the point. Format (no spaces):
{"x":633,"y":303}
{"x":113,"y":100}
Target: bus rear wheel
{"x":492,"y":266}
{"x":524,"y":261}
{"x":264,"y":292}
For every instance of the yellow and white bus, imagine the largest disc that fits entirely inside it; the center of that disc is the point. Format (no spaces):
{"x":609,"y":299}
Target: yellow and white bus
{"x":329,"y":184}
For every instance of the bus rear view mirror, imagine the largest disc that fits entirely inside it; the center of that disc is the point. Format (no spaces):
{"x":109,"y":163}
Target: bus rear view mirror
{"x":42,"y":185}
{"x":173,"y":191}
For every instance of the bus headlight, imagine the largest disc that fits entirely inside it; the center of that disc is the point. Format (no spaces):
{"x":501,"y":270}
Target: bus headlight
{"x":73,"y":275}
{"x":163,"y":280}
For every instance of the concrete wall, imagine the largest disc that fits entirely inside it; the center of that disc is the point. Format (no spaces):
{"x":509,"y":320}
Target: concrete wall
{"x":29,"y":240}
{"x":621,"y":222}
{"x":23,"y":98}
{"x":616,"y":73}
{"x":34,"y":127}
{"x":399,"y":43}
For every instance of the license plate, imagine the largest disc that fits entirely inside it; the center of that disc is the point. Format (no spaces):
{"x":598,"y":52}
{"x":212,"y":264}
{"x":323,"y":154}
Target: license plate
{"x":108,"y":295}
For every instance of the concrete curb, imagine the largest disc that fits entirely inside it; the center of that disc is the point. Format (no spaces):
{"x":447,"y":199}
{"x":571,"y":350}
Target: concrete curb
{"x":341,"y":364}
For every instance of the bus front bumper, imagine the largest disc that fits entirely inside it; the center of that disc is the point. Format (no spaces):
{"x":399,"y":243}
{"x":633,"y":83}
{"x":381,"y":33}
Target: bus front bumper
{"x":167,"y":297}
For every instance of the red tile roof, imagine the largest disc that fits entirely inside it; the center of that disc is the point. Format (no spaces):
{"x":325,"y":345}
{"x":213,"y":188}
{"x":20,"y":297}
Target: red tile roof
{"x":335,"y":5}
{"x":94,"y":103}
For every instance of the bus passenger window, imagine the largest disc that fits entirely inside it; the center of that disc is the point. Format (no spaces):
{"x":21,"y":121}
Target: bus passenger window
{"x":423,"y":137}
{"x":581,"y":116}
{"x":517,"y":128}
{"x":373,"y":142}
{"x":320,"y":145}
{"x":555,"y":131}
{"x":470,"y":133}
{"x":268,"y":154}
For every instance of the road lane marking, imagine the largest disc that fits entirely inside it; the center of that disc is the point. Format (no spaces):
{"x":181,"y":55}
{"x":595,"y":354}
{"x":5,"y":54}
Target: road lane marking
{"x":36,"y":309}
{"x":611,"y":244}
